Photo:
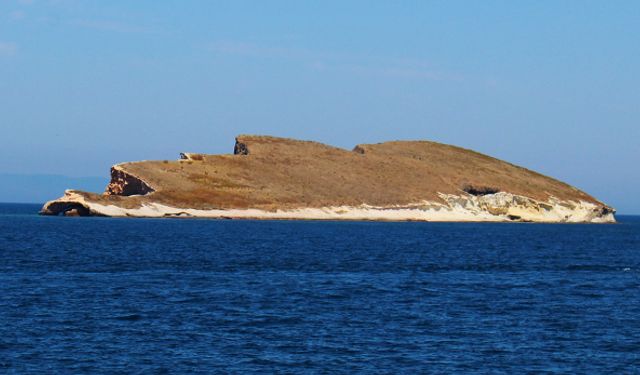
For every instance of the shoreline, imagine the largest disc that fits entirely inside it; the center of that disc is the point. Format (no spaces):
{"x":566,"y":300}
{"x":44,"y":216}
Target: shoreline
{"x":499,"y":207}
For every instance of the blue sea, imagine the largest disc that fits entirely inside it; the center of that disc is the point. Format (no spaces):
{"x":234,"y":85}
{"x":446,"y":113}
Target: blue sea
{"x":174,"y":296}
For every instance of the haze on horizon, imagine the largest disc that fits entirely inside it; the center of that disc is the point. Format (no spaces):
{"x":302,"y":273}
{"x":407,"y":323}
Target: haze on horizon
{"x":551,"y":86}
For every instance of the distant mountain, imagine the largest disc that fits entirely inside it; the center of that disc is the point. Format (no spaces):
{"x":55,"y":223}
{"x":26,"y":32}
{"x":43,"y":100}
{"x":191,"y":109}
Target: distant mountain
{"x":39,"y":188}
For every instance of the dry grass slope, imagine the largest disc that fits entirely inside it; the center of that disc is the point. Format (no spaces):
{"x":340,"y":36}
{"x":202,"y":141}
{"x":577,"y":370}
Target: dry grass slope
{"x":270,"y":173}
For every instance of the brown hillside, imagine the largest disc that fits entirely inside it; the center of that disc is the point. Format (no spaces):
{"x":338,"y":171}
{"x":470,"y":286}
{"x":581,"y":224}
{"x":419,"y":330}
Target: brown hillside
{"x":269,"y":173}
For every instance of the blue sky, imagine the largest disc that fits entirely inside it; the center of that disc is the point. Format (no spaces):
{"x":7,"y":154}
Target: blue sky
{"x":550,"y":85}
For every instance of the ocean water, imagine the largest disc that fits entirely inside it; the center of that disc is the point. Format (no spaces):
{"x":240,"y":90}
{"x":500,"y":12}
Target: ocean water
{"x":100,"y":295}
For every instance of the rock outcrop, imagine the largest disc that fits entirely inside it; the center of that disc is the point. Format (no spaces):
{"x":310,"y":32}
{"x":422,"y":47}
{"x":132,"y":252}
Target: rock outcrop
{"x":123,"y":183}
{"x":278,"y":178}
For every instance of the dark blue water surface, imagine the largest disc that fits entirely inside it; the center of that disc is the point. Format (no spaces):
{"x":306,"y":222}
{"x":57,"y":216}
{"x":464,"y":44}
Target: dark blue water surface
{"x":100,"y":295}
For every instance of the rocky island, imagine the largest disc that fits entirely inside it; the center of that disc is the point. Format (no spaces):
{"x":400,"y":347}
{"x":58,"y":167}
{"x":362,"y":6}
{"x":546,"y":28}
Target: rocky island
{"x":278,"y":178}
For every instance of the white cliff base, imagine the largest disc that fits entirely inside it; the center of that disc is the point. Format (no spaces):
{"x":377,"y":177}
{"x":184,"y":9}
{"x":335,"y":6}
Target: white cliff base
{"x":498,"y":207}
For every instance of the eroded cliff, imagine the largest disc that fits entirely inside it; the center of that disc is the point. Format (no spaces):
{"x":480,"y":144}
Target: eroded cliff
{"x":126,"y":184}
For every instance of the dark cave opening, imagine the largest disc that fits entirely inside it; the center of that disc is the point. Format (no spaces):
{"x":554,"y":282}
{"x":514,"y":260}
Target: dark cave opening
{"x":479,"y":190}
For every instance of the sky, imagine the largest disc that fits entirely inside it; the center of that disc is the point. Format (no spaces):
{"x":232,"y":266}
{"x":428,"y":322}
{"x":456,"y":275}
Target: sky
{"x":553,"y":86}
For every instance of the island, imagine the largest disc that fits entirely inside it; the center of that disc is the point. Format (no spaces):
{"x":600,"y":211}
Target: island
{"x":279,"y":178}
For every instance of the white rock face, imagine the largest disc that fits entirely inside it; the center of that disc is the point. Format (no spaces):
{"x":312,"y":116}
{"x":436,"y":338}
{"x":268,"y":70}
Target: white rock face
{"x":499,"y":207}
{"x":516,"y":207}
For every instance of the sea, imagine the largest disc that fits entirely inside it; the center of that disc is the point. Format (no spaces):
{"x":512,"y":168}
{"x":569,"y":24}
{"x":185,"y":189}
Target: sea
{"x":172,"y":296}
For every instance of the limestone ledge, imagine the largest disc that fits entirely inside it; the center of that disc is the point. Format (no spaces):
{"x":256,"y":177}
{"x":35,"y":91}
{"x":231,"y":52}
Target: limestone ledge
{"x":498,"y":207}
